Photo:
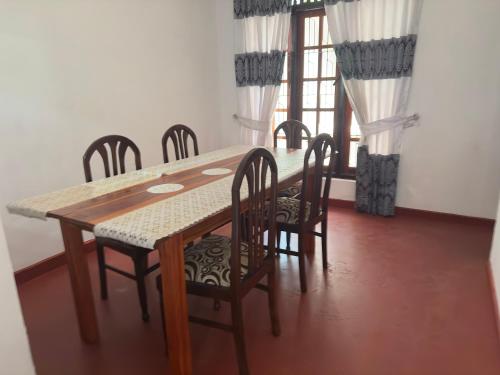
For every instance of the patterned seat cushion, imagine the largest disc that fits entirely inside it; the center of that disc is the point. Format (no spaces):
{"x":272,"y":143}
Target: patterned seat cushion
{"x":207,"y":261}
{"x":287,"y":210}
{"x":292,"y":192}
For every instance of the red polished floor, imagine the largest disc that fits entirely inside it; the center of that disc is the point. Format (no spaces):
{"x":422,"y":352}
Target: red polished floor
{"x":406,"y":295}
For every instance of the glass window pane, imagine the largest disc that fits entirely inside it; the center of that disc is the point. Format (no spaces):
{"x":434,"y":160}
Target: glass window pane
{"x":326,"y":39}
{"x":326,"y":122}
{"x":279,"y":117}
{"x":311,"y":63}
{"x":310,"y":94}
{"x":311,"y":31}
{"x":355,"y":132}
{"x":353,"y":154}
{"x":305,"y":144}
{"x":328,"y":63}
{"x":327,"y":94}
{"x":309,"y":119}
{"x":283,"y":97}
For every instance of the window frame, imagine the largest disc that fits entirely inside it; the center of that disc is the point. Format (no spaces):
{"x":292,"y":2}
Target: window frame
{"x":342,"y":111}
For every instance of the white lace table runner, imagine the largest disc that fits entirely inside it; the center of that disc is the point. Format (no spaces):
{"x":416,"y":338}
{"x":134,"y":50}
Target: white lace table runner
{"x":196,"y":161}
{"x":143,"y":227}
{"x":39,"y":206}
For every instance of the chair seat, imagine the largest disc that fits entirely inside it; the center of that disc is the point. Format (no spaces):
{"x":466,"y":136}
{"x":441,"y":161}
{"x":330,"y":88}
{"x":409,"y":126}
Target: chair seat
{"x":292,"y":191}
{"x":287,"y":210}
{"x":208,"y":261}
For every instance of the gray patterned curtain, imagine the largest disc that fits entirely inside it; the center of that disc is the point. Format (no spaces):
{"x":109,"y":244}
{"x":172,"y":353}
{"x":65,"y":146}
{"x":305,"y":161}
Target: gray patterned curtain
{"x":261,"y":30}
{"x":375,"y":45}
{"x":376,"y":182}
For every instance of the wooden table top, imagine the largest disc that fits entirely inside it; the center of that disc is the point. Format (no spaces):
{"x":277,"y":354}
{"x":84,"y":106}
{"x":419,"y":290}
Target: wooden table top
{"x":134,"y":215}
{"x":108,"y":206}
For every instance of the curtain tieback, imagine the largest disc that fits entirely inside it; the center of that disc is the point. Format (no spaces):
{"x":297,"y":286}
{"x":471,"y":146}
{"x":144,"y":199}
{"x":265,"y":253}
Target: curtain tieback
{"x":388,"y":123}
{"x":258,"y":125}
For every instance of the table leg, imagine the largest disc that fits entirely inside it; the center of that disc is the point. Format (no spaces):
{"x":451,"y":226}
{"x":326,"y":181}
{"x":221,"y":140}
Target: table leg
{"x":175,"y":305}
{"x":80,"y":282}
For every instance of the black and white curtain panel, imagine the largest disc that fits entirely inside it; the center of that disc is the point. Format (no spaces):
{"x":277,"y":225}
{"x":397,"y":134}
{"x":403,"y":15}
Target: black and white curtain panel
{"x":261,"y":32}
{"x":375,"y":44}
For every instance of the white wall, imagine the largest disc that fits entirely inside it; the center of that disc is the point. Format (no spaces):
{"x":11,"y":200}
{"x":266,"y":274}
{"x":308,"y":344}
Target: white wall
{"x":226,"y":90}
{"x":72,"y":71}
{"x":495,"y":260}
{"x":15,"y":355}
{"x":451,"y":162}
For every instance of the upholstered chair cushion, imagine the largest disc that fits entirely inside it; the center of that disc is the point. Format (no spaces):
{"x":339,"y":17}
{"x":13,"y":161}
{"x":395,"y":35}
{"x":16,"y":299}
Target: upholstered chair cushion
{"x":292,"y":191}
{"x":287,"y":210}
{"x":208,"y":261}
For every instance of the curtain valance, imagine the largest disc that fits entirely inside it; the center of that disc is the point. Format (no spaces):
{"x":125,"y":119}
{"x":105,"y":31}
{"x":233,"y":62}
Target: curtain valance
{"x":256,"y":8}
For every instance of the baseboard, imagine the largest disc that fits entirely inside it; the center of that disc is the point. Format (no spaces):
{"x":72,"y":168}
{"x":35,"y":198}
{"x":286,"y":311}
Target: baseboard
{"x":445,"y":216}
{"x":46,"y":265}
{"x":424,"y":214}
{"x":341,"y":203}
{"x":489,"y":272}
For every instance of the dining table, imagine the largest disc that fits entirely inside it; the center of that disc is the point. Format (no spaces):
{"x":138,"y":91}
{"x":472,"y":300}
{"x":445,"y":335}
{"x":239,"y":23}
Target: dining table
{"x":162,"y":207}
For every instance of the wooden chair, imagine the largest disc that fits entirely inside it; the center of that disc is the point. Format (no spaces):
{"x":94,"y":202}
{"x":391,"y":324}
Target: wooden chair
{"x":293,"y":130}
{"x":301,"y":215}
{"x":179,"y":134}
{"x":228,"y":268}
{"x":112,"y":150}
{"x":295,"y":133}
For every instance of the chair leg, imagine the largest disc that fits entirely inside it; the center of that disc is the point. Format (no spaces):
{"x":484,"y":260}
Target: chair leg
{"x":140,"y":264}
{"x":323,"y":243}
{"x":102,"y":271}
{"x":278,"y":247}
{"x":162,"y":311}
{"x":288,"y":240}
{"x":302,"y":264}
{"x":239,"y":335}
{"x":273,"y":308}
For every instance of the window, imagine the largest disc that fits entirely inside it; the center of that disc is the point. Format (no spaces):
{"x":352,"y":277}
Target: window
{"x":311,"y":90}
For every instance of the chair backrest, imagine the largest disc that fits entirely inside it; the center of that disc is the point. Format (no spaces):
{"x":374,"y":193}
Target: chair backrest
{"x":179,"y":134}
{"x":322,"y":147}
{"x":115,"y":146}
{"x":293,"y":130}
{"x":255,"y":214}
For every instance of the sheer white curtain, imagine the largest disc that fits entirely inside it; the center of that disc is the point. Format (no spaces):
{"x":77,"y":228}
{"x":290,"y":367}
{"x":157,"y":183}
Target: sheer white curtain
{"x":261,"y":30}
{"x":375,"y":43}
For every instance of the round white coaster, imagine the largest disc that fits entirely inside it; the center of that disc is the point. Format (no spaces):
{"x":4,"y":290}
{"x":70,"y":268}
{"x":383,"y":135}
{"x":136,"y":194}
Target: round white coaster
{"x":165,"y":188}
{"x":216,"y":171}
